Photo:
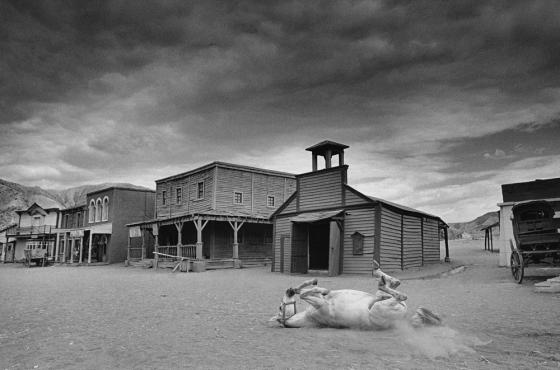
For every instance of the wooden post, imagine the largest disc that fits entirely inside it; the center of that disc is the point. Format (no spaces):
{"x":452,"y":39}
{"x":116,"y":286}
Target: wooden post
{"x":65,"y":247}
{"x":199,"y":227}
{"x":89,"y":249}
{"x":328,"y":157}
{"x":128,"y":247}
{"x":314,"y":162}
{"x":156,"y":246}
{"x":179,"y":227}
{"x":235,"y":226}
{"x":56,"y":247}
{"x":143,"y":245}
{"x":71,"y":250}
{"x":4,"y":250}
{"x":446,"y":245}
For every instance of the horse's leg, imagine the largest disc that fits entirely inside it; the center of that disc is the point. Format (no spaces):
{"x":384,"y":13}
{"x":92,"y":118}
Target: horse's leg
{"x":306,"y":283}
{"x":376,"y":272}
{"x":315,"y":296}
{"x":382,"y":286}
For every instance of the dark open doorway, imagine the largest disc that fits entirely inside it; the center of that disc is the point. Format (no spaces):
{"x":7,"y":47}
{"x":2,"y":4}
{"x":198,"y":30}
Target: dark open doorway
{"x":319,"y":246}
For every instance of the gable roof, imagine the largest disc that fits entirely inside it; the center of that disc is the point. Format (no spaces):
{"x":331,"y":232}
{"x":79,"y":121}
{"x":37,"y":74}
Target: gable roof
{"x":37,"y":207}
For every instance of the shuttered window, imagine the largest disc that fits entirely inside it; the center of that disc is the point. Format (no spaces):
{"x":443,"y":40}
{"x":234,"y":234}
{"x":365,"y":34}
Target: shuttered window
{"x":357,"y":244}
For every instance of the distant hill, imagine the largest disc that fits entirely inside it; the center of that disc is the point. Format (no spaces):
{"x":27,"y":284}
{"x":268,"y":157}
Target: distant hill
{"x":472,"y":228}
{"x":14,"y":197}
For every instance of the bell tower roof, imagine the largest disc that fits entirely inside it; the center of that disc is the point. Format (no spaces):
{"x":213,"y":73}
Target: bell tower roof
{"x":327,"y":149}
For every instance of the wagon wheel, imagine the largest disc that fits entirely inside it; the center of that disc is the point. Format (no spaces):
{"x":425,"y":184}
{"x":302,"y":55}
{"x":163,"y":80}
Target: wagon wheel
{"x":517,"y":266}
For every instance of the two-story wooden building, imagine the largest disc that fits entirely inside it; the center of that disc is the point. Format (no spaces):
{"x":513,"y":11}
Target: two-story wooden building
{"x":96,"y":232}
{"x":328,"y":225}
{"x":219,"y":211}
{"x":35,"y":228}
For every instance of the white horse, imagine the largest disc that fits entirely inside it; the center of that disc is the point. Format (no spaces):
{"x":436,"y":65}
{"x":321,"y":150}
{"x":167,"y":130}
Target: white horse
{"x":347,"y":308}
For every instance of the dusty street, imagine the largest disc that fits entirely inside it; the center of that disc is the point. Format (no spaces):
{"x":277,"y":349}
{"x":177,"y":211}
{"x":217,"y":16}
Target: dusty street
{"x":112,"y":317}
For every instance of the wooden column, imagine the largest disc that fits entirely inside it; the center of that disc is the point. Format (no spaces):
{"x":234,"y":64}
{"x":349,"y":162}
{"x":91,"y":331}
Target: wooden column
{"x":4,"y":250}
{"x":89,"y":249}
{"x":55,"y":248}
{"x":446,"y":245}
{"x":143,"y":245}
{"x":314,"y":162}
{"x":328,"y":157}
{"x":71,"y":245}
{"x":199,"y":227}
{"x":179,"y":227}
{"x":65,"y":247}
{"x":155,"y":231}
{"x":235,"y":226}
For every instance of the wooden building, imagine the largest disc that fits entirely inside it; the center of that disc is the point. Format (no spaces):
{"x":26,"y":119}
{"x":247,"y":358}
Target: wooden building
{"x":7,"y":245}
{"x":328,"y":225}
{"x":542,"y":189}
{"x":214,"y":214}
{"x":96,"y":232}
{"x":35,"y":228}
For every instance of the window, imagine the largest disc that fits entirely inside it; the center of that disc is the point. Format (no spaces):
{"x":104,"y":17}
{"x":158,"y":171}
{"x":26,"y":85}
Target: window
{"x":79,"y":220}
{"x":237,"y":197}
{"x":105,"y":214}
{"x":357,"y":244}
{"x":67,"y":222}
{"x":270,"y":201}
{"x":91,"y":212}
{"x":98,"y":208}
{"x":200,"y":190}
{"x":163,"y":197}
{"x":179,"y":195}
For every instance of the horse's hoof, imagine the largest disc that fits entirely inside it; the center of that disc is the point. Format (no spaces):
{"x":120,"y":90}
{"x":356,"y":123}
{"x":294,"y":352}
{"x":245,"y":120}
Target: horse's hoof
{"x":428,"y":317}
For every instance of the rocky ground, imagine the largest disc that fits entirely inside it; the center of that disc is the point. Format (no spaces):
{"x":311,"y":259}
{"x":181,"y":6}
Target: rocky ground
{"x":113,"y":317}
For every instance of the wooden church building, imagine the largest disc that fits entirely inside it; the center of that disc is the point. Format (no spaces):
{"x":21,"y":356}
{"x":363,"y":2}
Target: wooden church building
{"x":327,"y":225}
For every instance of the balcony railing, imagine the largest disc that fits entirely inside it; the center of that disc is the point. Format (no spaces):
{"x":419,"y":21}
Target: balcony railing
{"x":30,"y":230}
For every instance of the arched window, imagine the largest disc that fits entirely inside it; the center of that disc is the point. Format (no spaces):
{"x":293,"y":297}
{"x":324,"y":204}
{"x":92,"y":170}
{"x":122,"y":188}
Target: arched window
{"x":91,"y":211}
{"x":105,"y":214}
{"x":98,"y":210}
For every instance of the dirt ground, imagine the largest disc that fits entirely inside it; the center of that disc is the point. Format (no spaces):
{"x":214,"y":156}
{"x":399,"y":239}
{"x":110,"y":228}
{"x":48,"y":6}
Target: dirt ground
{"x":113,"y":317}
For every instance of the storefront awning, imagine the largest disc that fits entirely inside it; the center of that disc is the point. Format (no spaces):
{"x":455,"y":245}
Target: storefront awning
{"x":316,"y":216}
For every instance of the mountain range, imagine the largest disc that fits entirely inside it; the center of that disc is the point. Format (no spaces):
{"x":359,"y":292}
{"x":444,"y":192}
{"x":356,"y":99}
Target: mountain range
{"x":14,"y":197}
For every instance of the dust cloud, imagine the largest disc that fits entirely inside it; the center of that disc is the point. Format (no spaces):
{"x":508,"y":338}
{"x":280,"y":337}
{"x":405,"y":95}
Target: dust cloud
{"x":437,"y":341}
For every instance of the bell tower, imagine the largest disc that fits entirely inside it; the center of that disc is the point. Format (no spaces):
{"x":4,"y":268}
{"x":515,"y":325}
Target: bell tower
{"x":327,"y":149}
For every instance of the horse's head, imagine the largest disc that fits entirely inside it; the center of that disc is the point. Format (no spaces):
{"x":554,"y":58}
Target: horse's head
{"x":287,"y":307}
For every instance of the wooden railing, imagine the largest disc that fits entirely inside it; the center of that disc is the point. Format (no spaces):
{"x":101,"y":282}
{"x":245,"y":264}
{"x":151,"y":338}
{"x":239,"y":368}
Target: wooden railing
{"x":188,"y":250}
{"x":30,"y":230}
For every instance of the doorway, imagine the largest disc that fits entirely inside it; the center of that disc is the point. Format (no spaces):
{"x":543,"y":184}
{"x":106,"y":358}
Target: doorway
{"x":319,"y":246}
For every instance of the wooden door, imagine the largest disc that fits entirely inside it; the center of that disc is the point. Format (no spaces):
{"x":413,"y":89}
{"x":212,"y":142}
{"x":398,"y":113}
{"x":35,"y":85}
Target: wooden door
{"x":334,"y":249}
{"x":300,"y":263}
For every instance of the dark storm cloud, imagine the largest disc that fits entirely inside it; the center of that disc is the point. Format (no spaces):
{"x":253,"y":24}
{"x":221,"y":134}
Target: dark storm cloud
{"x":421,"y":90}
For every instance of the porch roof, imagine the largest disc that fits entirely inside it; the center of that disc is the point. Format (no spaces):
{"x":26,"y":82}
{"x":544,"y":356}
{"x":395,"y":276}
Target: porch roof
{"x":316,"y":216}
{"x":210,"y":216}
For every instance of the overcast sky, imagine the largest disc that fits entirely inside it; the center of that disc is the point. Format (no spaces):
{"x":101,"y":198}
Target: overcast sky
{"x":441,"y":102}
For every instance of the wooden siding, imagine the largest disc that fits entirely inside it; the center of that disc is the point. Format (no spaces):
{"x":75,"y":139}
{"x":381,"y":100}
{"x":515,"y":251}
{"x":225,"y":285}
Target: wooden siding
{"x":189,"y":201}
{"x":390,"y":247}
{"x":282,"y":227}
{"x":412,"y":241}
{"x":290,"y":207}
{"x":362,"y":221}
{"x":353,"y":198}
{"x":230,"y":181}
{"x":431,"y":241}
{"x":322,"y":189}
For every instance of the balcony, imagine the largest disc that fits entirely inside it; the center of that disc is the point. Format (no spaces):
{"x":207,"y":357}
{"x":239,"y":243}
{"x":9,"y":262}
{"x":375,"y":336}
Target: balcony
{"x":30,"y":230}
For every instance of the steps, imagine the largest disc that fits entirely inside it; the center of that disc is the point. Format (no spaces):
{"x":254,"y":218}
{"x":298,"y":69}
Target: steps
{"x":551,"y":285}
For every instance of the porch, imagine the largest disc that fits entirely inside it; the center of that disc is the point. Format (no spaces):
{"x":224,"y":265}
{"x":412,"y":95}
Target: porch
{"x":206,"y":241}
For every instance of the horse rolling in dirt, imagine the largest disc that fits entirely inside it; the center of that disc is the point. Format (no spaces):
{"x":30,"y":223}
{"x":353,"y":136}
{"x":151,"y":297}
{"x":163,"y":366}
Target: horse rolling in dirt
{"x":347,"y":308}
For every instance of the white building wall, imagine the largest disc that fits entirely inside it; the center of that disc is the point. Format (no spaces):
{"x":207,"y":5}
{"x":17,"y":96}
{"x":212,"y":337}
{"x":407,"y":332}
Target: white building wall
{"x":506,"y":233}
